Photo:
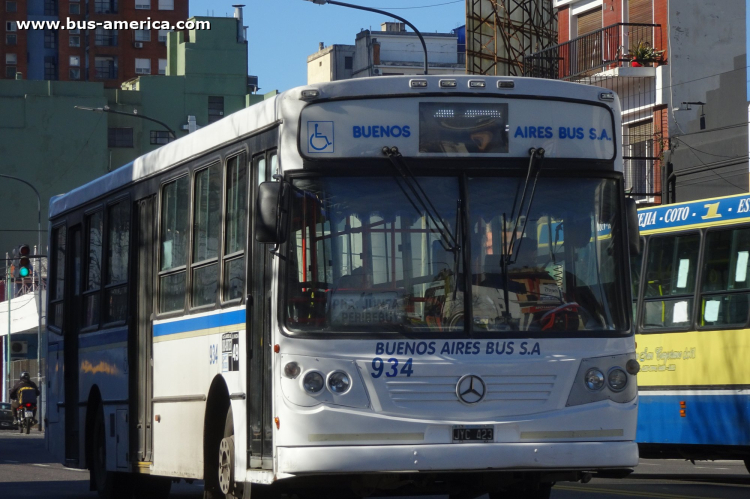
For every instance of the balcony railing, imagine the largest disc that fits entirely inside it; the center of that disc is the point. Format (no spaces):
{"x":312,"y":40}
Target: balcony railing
{"x":593,"y":53}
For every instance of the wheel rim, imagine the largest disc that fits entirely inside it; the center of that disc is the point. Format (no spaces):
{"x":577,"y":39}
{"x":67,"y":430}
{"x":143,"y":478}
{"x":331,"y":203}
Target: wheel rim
{"x":226,"y":451}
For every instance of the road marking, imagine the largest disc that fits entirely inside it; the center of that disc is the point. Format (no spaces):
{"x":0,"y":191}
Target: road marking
{"x":41,"y":465}
{"x":594,"y":490}
{"x":75,"y":469}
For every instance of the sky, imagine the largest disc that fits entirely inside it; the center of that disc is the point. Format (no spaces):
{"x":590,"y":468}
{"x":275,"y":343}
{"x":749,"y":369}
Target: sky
{"x":282,"y":33}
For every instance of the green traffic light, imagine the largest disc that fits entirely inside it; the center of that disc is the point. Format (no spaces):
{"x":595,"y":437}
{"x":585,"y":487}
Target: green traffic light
{"x":23,"y":272}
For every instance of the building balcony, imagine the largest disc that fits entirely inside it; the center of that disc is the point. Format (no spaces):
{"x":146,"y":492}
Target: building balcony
{"x":603,"y":53}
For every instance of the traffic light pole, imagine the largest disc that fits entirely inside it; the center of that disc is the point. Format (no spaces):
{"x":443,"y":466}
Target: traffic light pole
{"x":39,"y":251}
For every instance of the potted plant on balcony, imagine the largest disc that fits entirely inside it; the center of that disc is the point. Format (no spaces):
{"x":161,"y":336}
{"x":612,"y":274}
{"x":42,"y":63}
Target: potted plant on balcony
{"x":643,"y":54}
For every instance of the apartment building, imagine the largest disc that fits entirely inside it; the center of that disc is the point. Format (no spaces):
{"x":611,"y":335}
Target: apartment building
{"x":388,"y":52}
{"x":109,"y":56}
{"x":679,"y":69}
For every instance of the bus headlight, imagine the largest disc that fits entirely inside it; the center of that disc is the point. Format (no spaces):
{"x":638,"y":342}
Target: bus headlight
{"x":594,"y":379}
{"x":292,"y":370}
{"x":313,"y":382}
{"x":592,"y":385}
{"x":617,"y":379}
{"x":339,"y":382}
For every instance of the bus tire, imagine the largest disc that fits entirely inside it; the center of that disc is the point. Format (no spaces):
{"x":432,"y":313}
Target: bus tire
{"x":109,"y":484}
{"x":218,"y":482}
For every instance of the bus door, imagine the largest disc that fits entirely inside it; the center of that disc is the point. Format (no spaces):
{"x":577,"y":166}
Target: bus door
{"x":259,"y":328}
{"x":71,"y":327}
{"x":141,"y":339}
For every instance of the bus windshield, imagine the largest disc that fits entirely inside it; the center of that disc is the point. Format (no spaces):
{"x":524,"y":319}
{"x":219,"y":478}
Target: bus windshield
{"x":363,"y":256}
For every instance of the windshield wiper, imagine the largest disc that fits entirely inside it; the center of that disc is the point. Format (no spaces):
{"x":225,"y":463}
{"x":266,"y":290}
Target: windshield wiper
{"x":447,"y":240}
{"x":510,"y":254}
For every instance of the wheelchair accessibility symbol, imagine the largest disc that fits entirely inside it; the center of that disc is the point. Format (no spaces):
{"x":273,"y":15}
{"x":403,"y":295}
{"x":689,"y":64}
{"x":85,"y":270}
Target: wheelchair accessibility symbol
{"x":321,"y":137}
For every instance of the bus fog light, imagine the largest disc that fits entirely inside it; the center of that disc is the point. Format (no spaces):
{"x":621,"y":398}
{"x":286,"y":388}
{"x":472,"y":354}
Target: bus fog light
{"x":313,"y":382}
{"x":339,"y":382}
{"x":292,"y":370}
{"x":633,"y":367}
{"x":617,"y":379}
{"x":594,"y":379}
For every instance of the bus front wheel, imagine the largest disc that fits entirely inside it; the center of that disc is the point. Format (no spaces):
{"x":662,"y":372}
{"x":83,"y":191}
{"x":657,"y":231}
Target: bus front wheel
{"x":219,"y":470}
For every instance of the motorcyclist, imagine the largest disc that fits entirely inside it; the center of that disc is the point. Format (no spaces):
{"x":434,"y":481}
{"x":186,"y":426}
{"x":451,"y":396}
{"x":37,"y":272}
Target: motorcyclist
{"x":23,"y":392}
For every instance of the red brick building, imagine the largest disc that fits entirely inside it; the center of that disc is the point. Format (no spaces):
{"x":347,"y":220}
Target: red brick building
{"x":108,"y":55}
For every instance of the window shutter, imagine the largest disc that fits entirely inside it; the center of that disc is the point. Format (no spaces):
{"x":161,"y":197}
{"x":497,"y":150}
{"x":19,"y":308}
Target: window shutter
{"x":640,"y":12}
{"x":589,"y":21}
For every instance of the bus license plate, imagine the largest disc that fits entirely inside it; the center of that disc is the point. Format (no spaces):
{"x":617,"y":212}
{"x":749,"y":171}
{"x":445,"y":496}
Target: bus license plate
{"x":29,"y":414}
{"x":478,"y":433}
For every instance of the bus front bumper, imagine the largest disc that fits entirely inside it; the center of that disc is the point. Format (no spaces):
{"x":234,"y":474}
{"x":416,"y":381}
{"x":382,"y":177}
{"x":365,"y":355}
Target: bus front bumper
{"x":584,"y":456}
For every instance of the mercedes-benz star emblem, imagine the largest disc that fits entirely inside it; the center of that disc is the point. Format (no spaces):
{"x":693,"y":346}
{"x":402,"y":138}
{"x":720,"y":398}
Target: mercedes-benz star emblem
{"x":470,"y":389}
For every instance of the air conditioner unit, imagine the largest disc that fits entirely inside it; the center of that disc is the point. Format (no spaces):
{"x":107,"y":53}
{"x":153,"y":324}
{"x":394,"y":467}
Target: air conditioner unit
{"x":376,"y":71}
{"x":138,"y":45}
{"x":19,"y":348}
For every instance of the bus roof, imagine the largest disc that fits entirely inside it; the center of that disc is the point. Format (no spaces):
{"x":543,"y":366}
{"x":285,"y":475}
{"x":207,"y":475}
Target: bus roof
{"x":711,"y":212}
{"x":287,"y":106}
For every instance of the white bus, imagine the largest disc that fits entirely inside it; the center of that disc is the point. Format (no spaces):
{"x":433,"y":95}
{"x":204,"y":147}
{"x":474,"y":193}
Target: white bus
{"x":398,"y":285}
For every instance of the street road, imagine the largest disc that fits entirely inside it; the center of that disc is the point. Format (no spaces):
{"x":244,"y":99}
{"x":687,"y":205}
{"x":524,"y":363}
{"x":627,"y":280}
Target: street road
{"x":26,"y":472}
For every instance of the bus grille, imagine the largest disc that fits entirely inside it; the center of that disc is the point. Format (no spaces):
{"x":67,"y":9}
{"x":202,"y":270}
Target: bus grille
{"x":526,"y":392}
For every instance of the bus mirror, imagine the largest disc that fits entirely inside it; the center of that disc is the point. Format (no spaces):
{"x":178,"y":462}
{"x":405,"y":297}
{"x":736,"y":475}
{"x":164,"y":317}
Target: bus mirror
{"x":634,"y":235}
{"x":271,"y":212}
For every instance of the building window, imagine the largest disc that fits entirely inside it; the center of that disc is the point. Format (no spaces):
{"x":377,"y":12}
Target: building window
{"x":105,"y":37}
{"x":163,"y":35}
{"x":11,"y":59}
{"x":638,"y":143}
{"x":50,"y":68}
{"x":74,"y":9}
{"x":160,"y":137}
{"x":143,"y":66}
{"x":162,"y":66}
{"x":10,"y":71}
{"x":175,"y":206}
{"x":74,"y":41}
{"x":11,"y":39}
{"x":105,"y":6}
{"x":75,"y":61}
{"x":348,"y":62}
{"x":142,"y":4}
{"x":142,"y":35}
{"x":166,"y":4}
{"x":75,"y":31}
{"x":10,"y":26}
{"x":50,"y":39}
{"x":215,"y":109}
{"x":74,"y":74}
{"x":120,"y":137}
{"x":11,"y":7}
{"x":50,"y":7}
{"x":105,"y":68}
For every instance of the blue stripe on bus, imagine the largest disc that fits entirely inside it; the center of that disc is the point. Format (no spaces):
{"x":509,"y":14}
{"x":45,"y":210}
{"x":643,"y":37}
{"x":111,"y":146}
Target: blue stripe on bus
{"x":103,"y":338}
{"x":709,"y":419}
{"x":198,"y":323}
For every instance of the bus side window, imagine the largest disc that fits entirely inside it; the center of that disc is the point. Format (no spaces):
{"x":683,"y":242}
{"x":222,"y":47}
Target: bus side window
{"x":236,"y":228}
{"x":206,"y":236}
{"x":93,"y":277}
{"x":118,"y":249}
{"x":725,"y":276}
{"x":175,"y":200}
{"x":57,"y":279}
{"x":671,"y":268}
